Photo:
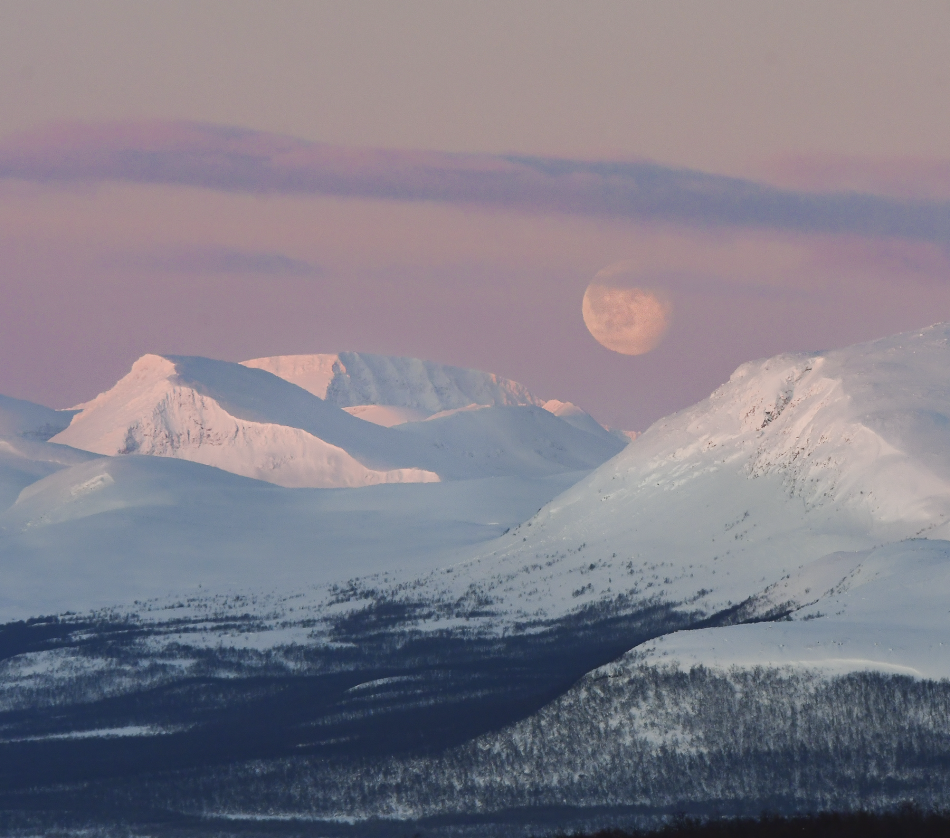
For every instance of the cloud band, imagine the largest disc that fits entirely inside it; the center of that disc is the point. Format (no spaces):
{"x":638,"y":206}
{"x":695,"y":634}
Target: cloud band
{"x":241,"y":160}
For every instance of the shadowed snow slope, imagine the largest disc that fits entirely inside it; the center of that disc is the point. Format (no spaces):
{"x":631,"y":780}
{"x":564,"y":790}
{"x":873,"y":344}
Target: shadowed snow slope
{"x":117,"y":529}
{"x":256,"y":424}
{"x":30,"y":421}
{"x":348,"y":379}
{"x":489,"y":441}
{"x":25,"y":455}
{"x":573,"y":415}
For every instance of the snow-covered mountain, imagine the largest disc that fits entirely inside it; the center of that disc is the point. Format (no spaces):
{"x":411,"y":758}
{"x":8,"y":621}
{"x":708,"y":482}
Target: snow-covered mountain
{"x":743,"y":609}
{"x":222,"y":415}
{"x":793,"y":459}
{"x":250,"y":422}
{"x":390,"y":390}
{"x":349,"y":379}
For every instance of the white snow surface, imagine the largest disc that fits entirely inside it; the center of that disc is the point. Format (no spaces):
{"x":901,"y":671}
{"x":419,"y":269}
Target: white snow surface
{"x":253,"y":423}
{"x":387,"y":415}
{"x":25,"y":455}
{"x":347,"y":379}
{"x":155,"y":411}
{"x":311,"y":372}
{"x":19,"y":418}
{"x":113,"y":530}
{"x":884,"y":610}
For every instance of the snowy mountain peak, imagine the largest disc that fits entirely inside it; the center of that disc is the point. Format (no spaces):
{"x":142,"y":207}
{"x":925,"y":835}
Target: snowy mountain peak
{"x":312,"y":372}
{"x":216,"y":413}
{"x":865,"y":427}
{"x":559,"y":408}
{"x":251,"y":422}
{"x":349,"y":379}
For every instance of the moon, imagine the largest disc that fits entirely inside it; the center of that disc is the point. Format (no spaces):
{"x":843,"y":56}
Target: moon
{"x":631,"y":321}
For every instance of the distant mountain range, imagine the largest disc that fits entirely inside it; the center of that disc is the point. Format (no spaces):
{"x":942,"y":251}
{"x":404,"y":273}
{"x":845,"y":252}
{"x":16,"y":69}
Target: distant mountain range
{"x":530,"y":628}
{"x":336,"y":420}
{"x":350,"y":379}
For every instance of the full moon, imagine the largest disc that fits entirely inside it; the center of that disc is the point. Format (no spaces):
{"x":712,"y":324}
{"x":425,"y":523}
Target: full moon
{"x":631,"y":321}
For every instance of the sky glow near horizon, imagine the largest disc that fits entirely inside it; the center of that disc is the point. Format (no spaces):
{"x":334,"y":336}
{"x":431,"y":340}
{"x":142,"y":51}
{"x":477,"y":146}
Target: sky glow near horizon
{"x":428,"y":180}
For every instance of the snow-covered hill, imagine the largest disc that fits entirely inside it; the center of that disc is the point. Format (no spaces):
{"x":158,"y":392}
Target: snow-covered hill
{"x":795,"y":459}
{"x":881,"y":610}
{"x":112,"y":530}
{"x":25,"y":454}
{"x":30,"y":421}
{"x":253,"y":423}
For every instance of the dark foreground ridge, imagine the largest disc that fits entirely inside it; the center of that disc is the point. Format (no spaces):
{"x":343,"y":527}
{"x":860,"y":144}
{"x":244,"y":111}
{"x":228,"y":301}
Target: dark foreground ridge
{"x":907,"y":822}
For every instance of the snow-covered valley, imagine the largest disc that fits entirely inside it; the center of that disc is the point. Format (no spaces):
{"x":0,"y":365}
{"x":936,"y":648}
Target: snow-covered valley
{"x":514,"y":612}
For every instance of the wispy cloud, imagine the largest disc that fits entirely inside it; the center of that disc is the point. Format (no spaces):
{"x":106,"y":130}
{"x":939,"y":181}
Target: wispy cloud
{"x":215,"y":260}
{"x":233,"y":159}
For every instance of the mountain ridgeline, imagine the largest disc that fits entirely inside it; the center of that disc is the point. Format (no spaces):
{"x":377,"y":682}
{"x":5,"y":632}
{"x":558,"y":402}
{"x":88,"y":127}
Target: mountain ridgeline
{"x":249,"y":421}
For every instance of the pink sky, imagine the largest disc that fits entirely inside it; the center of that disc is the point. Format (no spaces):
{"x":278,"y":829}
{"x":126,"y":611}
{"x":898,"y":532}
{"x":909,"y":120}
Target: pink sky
{"x":202,"y":220}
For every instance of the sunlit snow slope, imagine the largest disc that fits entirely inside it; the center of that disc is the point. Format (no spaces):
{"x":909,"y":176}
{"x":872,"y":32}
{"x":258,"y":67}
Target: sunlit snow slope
{"x":250,"y":422}
{"x":794,"y":459}
{"x":160,"y":409}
